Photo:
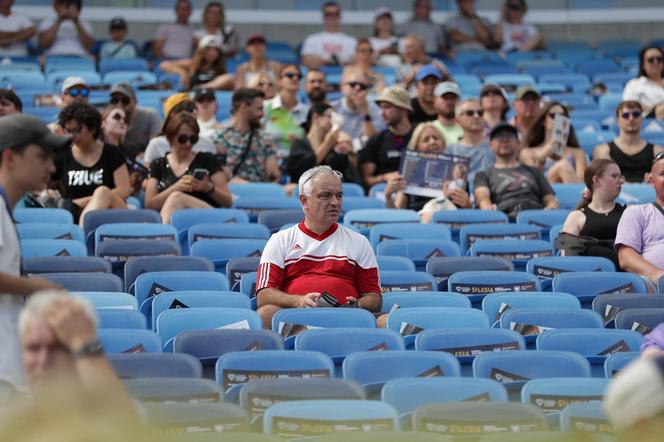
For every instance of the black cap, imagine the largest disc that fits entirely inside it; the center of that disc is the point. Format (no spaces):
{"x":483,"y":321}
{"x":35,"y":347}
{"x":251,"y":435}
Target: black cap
{"x":203,"y":93}
{"x":503,"y":127}
{"x":118,"y":23}
{"x":19,"y":130}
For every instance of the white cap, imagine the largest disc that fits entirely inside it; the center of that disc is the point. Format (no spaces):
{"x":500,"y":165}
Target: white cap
{"x":210,"y":41}
{"x":70,"y":82}
{"x":383,"y":10}
{"x":447,"y":87}
{"x":636,"y":393}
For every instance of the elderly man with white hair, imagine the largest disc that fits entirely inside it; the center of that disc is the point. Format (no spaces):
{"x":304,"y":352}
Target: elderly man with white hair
{"x":317,"y":262}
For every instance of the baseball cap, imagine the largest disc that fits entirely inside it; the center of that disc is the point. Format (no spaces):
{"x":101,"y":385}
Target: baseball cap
{"x":382,"y":11}
{"x":203,"y":93}
{"x":124,"y":89}
{"x":210,"y":41}
{"x":70,"y":82}
{"x":447,"y":87}
{"x":174,"y":100}
{"x":396,"y":96}
{"x":502,"y":127}
{"x":117,"y":23}
{"x":525,"y":90}
{"x":636,"y":394}
{"x":490,"y":87}
{"x":428,"y":70}
{"x":18,"y":130}
{"x":255,"y":38}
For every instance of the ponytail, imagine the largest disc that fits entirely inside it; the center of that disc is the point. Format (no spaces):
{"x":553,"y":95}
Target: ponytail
{"x":596,"y":168}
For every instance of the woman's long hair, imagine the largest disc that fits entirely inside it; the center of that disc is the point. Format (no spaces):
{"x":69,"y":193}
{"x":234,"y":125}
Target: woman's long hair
{"x":642,"y":59}
{"x":596,"y":168}
{"x":199,"y":63}
{"x":537,"y":133}
{"x":317,"y":108}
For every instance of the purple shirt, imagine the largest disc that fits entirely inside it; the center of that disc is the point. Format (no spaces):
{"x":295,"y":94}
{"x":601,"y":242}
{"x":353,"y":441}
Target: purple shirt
{"x":654,"y":339}
{"x":642,"y":228}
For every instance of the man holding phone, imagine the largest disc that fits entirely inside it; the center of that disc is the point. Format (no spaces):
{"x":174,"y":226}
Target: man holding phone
{"x":318,"y":262}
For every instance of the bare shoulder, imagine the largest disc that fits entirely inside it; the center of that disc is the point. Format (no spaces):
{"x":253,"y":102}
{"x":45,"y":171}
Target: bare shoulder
{"x":601,"y":151}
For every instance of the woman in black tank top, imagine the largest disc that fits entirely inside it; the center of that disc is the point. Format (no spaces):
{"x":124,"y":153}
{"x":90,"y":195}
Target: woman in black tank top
{"x":634,"y":166}
{"x":597,"y":215}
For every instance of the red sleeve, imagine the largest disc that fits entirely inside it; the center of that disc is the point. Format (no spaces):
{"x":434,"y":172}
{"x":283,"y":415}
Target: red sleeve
{"x":269,"y":276}
{"x":367,"y":280}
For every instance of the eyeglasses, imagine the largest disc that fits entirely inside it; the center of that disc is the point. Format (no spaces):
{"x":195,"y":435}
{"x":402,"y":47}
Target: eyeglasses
{"x":76,"y":92}
{"x":119,"y":117}
{"x":356,"y":84}
{"x":473,"y":112}
{"x":653,"y":60}
{"x":365,"y":50}
{"x":123,"y":100}
{"x":619,"y":178}
{"x":633,"y":114}
{"x":293,"y":75}
{"x":193,"y":139}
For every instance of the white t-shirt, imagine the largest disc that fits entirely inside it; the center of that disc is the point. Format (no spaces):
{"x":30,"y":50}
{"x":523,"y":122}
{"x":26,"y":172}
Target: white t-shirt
{"x":645,"y":91}
{"x":11,"y":368}
{"x":516,"y":35}
{"x":326,"y":44}
{"x":14,"y":23}
{"x":158,"y":147}
{"x":67,"y":41}
{"x":378,"y":44}
{"x":178,"y":40}
{"x":206,"y":128}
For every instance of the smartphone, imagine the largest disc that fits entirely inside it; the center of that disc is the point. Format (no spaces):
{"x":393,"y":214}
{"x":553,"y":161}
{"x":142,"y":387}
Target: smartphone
{"x":200,"y":174}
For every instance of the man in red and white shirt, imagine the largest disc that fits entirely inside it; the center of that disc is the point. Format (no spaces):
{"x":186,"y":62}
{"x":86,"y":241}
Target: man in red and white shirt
{"x":317,"y":255}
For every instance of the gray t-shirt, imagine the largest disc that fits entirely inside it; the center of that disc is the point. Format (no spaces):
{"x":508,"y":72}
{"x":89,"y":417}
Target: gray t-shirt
{"x":432,"y":33}
{"x":515,"y":189}
{"x":481,"y":157}
{"x":145,"y":124}
{"x":463,"y":25}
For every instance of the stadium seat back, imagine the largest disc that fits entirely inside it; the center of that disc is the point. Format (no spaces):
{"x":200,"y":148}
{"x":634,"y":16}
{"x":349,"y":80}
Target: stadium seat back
{"x":381,"y":232}
{"x":617,"y":361}
{"x":391,"y":281}
{"x":472,"y":233}
{"x":237,"y":267}
{"x":641,"y":320}
{"x":274,"y":219}
{"x":109,"y":299}
{"x":120,"y":318}
{"x":173,"y":390}
{"x":130,"y":341}
{"x":609,"y":304}
{"x":523,"y":365}
{"x":203,"y":298}
{"x":46,"y":215}
{"x":595,"y":283}
{"x":220,"y":251}
{"x":442,"y":268}
{"x":392,"y":263}
{"x":584,"y":417}
{"x":423,"y":299}
{"x":419,"y":250}
{"x":38,"y":248}
{"x":495,"y":304}
{"x":65,"y":264}
{"x":46,"y":230}
{"x":86,"y":282}
{"x":552,"y":395}
{"x":140,"y":265}
{"x":155,"y":365}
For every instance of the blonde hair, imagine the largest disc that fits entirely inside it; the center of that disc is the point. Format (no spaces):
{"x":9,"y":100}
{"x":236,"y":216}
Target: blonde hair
{"x":417,"y":134}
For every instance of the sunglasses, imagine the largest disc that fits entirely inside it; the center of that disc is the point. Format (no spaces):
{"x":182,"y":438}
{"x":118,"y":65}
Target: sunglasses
{"x":659,"y":156}
{"x":552,"y":115}
{"x":473,"y":112}
{"x":356,"y":84}
{"x":118,"y":117}
{"x":633,"y":114}
{"x":293,"y":75}
{"x":514,"y":6}
{"x":123,"y":100}
{"x":193,"y":139}
{"x":76,"y":92}
{"x":653,"y":60}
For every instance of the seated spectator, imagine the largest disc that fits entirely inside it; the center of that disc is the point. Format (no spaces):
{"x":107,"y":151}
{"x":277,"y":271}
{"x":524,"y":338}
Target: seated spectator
{"x":447,"y":97}
{"x":297,"y":276}
{"x":315,"y":85}
{"x":414,"y":57}
{"x":250,"y":155}
{"x":62,"y":353}
{"x":648,"y":87}
{"x":423,"y":103}
{"x":206,"y":111}
{"x":17,"y":30}
{"x":265,"y":83}
{"x":73,"y":90}
{"x":175,"y":40}
{"x":118,"y":47}
{"x":433,"y":34}
{"x":214,"y":23}
{"x":114,"y":132}
{"x":527,"y":101}
{"x":384,"y":40}
{"x":597,"y":215}
{"x":653,"y":342}
{"x":10,"y":103}
{"x":361,"y":117}
{"x":640,"y":237}
{"x":159,"y":146}
{"x":143,"y":122}
{"x":540,"y":148}
{"x":510,"y":186}
{"x":495,"y":105}
{"x":633,"y":154}
{"x":207,"y":68}
{"x":381,"y":155}
{"x":474,"y":143}
{"x":257,"y":64}
{"x":91,"y":175}
{"x":323,"y":144}
{"x":330,"y":46}
{"x":468,"y":31}
{"x":364,"y":60}
{"x":66,"y":34}
{"x":633,"y":401}
{"x":285,"y":113}
{"x":184,"y":179}
{"x":512,"y":34}
{"x":426,"y":138}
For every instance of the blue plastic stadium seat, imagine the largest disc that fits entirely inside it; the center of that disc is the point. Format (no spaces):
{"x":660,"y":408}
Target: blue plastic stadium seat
{"x":423,"y":299}
{"x":97,"y":218}
{"x":220,"y":251}
{"x":251,"y":190}
{"x":584,"y":417}
{"x":641,"y":320}
{"x":199,"y":298}
{"x":383,"y":232}
{"x":199,"y":232}
{"x":121,"y":251}
{"x":495,"y":304}
{"x":530,"y":322}
{"x":126,"y":231}
{"x":155,"y":365}
{"x":442,"y":268}
{"x":553,"y":394}
{"x":183,"y":219}
{"x":608,"y":305}
{"x":617,"y":361}
{"x":86,"y":282}
{"x":518,"y":251}
{"x":456,"y":219}
{"x":237,"y":267}
{"x":419,"y":250}
{"x":128,"y":64}
{"x":542,"y":218}
{"x":120,"y":318}
{"x":511,"y":81}
{"x":109,"y":299}
{"x":130,"y":341}
{"x":394,"y":263}
{"x":633,"y":193}
{"x":477,"y":284}
{"x":136,"y":78}
{"x":587,"y":285}
{"x":202,"y":417}
{"x":35,"y":248}
{"x":140,"y":265}
{"x":274,"y":219}
{"x":361,"y":202}
{"x":406,"y":281}
{"x":50,"y":231}
{"x":65,"y":264}
{"x":547,"y":267}
{"x":367,"y":218}
{"x":568,"y":195}
{"x":173,"y":391}
{"x":574,"y":82}
{"x":256,"y":204}
{"x":470,"y":234}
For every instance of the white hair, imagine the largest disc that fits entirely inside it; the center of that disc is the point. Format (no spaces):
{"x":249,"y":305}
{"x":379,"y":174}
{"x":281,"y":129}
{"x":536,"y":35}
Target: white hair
{"x":306,"y":181}
{"x":40,"y":303}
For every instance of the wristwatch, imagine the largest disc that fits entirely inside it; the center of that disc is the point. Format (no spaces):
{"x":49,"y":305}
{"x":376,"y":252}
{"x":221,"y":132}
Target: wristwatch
{"x":92,"y":348}
{"x":367,"y":118}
